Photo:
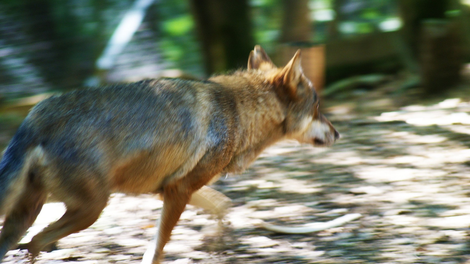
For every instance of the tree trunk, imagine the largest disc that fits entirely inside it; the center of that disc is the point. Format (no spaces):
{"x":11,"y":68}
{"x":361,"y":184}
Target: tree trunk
{"x":413,"y":12}
{"x":41,"y":27}
{"x":465,"y":22}
{"x":434,"y":41}
{"x":224,"y":29}
{"x":296,"y":25}
{"x":296,"y":33}
{"x":333,"y":26}
{"x":66,"y":56}
{"x":441,"y":58}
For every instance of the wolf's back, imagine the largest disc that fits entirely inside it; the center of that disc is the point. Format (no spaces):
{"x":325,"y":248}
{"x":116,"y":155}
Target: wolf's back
{"x":12,"y":168}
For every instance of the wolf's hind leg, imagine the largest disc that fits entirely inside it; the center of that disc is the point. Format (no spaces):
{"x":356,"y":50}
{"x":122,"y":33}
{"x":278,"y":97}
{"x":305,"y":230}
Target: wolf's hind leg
{"x":209,"y":199}
{"x":84,"y":206}
{"x":213,"y":201}
{"x":22,"y":216}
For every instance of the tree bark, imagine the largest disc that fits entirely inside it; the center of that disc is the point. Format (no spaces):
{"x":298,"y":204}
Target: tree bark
{"x":225,"y":32}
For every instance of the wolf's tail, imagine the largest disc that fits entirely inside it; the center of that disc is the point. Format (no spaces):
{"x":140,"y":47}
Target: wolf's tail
{"x":22,"y":193}
{"x":14,"y":169}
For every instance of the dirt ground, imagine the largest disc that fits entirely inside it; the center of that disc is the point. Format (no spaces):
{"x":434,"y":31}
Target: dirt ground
{"x":403,"y":163}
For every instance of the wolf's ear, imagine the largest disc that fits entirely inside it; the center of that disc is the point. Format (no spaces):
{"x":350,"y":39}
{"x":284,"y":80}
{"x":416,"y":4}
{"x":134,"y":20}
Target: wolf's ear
{"x":259,"y":60}
{"x":290,"y":76}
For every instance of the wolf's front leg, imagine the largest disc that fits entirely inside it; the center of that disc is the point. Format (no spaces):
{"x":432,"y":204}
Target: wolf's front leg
{"x":149,"y":253}
{"x":206,"y":198}
{"x":174,"y":202}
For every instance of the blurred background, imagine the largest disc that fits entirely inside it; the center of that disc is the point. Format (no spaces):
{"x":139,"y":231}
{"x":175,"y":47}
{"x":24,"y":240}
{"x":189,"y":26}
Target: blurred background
{"x":53,"y":45}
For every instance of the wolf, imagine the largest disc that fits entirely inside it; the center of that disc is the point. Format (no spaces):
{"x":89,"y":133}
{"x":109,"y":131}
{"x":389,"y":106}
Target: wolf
{"x":166,"y":136}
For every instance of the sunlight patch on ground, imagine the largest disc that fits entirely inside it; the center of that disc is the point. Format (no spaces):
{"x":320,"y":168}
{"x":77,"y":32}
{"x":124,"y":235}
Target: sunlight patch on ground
{"x":461,"y":221}
{"x":447,"y":112}
{"x":408,"y":159}
{"x":259,"y":241}
{"x":436,"y":156}
{"x":414,"y":138}
{"x":462,"y":129}
{"x":50,"y":212}
{"x":342,"y":158}
{"x":281,"y":182}
{"x":392,"y":174}
{"x":403,"y":220}
{"x":427,"y":118}
{"x":297,"y":186}
{"x":430,"y":157}
{"x":262,"y":203}
{"x":265,"y":246}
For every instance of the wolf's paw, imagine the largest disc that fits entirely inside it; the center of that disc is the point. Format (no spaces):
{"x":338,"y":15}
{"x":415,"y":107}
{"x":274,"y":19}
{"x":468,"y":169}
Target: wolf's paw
{"x":48,"y":248}
{"x":149,"y":255}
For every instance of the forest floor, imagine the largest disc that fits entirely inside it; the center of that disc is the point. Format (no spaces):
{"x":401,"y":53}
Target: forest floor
{"x":403,"y":163}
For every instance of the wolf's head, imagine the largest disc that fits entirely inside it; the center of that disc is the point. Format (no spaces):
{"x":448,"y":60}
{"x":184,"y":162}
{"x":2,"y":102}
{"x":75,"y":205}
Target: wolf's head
{"x":303,"y":122}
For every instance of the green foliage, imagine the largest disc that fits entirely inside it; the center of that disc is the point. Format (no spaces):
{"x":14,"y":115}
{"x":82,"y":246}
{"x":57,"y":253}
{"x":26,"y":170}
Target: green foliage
{"x":177,"y":34}
{"x":363,"y":28}
{"x":172,"y":51}
{"x":179,"y":26}
{"x":366,"y":16}
{"x":261,"y":3}
{"x":321,"y":4}
{"x":453,"y":13}
{"x":371,"y":14}
{"x":266,"y":19}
